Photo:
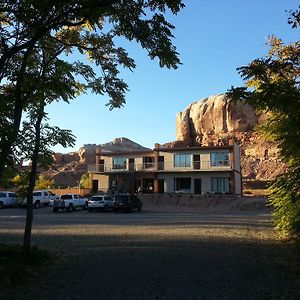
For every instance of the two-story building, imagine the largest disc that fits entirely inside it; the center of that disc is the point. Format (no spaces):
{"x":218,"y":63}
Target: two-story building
{"x":197,"y":170}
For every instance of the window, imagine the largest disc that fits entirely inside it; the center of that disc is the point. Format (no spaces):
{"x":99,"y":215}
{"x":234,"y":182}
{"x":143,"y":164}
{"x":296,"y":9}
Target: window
{"x":182,"y":160}
{"x":119,"y":163}
{"x":12,"y":195}
{"x":218,"y":159}
{"x":182,"y":184}
{"x":148,"y":162}
{"x":220,"y":184}
{"x":2,"y":195}
{"x":66,"y":196}
{"x":37,"y":194}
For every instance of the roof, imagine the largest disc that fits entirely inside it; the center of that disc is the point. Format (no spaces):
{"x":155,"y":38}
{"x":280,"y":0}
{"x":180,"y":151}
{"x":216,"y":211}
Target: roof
{"x":165,"y":149}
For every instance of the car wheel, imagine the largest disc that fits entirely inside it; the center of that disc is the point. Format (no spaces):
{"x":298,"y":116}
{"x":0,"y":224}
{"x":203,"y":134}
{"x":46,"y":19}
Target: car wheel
{"x":70,"y":207}
{"x":55,"y":209}
{"x":116,"y":210}
{"x":36,"y":204}
{"x":1,"y":204}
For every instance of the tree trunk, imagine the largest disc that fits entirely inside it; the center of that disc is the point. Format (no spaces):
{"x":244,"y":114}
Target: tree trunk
{"x":32,"y":178}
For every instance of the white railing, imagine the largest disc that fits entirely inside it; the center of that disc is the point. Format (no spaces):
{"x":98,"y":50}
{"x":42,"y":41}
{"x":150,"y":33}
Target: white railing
{"x":161,"y":167}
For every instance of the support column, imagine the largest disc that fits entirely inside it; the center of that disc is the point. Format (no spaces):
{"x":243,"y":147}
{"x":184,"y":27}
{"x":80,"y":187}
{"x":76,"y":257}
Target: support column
{"x":156,"y":154}
{"x":98,"y":157}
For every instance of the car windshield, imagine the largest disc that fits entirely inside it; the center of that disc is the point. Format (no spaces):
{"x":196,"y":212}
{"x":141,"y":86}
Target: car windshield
{"x":121,"y":198}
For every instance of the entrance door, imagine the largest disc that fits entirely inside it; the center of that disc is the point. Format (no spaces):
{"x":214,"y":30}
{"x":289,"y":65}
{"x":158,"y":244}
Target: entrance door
{"x":197,"y":186}
{"x":161,"y":186}
{"x":95,"y":186}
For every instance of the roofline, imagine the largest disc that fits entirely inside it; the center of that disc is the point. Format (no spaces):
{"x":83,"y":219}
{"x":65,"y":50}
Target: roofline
{"x":194,"y":148}
{"x":167,"y":149}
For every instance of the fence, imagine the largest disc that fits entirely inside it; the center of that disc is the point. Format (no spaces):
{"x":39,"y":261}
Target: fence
{"x":73,"y":190}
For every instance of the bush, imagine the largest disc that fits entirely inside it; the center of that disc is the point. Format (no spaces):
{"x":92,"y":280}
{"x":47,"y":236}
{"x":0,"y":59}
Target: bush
{"x":286,"y":212}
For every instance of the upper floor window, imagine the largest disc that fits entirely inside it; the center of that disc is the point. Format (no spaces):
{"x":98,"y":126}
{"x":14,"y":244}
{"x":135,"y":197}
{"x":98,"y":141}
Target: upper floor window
{"x":148,"y":162}
{"x":182,"y":160}
{"x":119,"y":163}
{"x":218,"y":159}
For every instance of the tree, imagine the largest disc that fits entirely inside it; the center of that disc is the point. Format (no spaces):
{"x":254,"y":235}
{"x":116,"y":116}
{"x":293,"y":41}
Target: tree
{"x":88,"y":27}
{"x":35,"y":36}
{"x":85,"y":180}
{"x":272,"y":86}
{"x":44,"y":183}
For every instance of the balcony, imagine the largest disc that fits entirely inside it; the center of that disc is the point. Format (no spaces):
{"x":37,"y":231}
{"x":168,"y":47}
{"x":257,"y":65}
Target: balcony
{"x":196,"y":166}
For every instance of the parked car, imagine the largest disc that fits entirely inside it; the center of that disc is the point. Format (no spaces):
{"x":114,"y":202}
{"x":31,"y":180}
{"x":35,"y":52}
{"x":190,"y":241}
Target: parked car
{"x":70,"y":202}
{"x":41,"y":197}
{"x":129,"y":203}
{"x":100,"y":202}
{"x":8,"y":199}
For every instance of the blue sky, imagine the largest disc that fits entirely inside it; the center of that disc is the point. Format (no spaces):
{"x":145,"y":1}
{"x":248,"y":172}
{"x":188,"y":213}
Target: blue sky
{"x":213,"y":39}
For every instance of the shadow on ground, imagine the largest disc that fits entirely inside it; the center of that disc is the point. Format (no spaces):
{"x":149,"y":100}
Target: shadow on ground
{"x":165,"y":265}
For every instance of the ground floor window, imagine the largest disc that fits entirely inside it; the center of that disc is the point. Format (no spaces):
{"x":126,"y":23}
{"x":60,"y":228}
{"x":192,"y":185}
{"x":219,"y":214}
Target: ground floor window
{"x":182,"y":184}
{"x":220,"y":184}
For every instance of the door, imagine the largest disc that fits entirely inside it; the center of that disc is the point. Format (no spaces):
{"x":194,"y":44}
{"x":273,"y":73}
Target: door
{"x":101,"y":165}
{"x":131,"y":164}
{"x":161,"y":186}
{"x":95,"y":186}
{"x":161,"y":163}
{"x":197,"y":186}
{"x":196,"y":162}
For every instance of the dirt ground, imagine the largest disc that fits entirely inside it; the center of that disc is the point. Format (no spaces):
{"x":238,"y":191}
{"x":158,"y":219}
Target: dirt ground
{"x":157,"y":255}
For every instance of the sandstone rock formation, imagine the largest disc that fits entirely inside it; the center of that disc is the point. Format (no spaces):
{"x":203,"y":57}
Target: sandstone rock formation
{"x":68,"y":168}
{"x":215,"y":120}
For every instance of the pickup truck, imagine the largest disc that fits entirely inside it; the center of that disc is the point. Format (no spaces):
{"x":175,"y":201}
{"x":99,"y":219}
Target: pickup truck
{"x":69,"y":202}
{"x":41,"y":197}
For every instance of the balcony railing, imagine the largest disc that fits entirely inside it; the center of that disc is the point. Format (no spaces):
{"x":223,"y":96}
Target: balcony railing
{"x":161,"y":167}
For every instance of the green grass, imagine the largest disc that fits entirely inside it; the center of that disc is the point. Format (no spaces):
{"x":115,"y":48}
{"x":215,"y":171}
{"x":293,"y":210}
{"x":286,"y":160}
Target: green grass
{"x":17,"y":269}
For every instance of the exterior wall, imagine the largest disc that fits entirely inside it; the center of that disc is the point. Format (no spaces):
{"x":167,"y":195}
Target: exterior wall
{"x":237,"y":159}
{"x":238,"y":183}
{"x":103,"y":181}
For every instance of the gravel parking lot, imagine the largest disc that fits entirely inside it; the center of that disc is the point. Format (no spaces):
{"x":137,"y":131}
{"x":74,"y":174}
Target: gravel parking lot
{"x":156,"y":255}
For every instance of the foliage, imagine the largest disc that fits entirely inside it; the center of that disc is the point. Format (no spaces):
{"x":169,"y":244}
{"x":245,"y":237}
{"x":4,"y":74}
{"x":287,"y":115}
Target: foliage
{"x":16,"y":269}
{"x":85,"y":180}
{"x":35,"y":31}
{"x":35,"y":39}
{"x":44,"y":183}
{"x":272,"y":86}
{"x":20,"y":182}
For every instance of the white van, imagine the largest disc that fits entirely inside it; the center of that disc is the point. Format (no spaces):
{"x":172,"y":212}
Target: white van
{"x":8,"y":199}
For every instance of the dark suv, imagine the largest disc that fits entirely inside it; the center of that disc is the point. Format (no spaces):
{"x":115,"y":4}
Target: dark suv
{"x":127,"y":203}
